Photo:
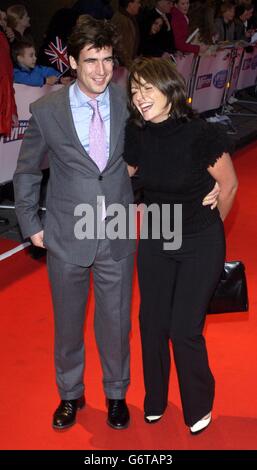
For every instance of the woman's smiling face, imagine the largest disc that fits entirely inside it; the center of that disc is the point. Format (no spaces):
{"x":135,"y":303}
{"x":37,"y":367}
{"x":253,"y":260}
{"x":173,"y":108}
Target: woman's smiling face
{"x":149,"y":101}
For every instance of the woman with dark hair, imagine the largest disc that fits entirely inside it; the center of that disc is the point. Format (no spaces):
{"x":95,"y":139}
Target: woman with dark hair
{"x":150,"y":31}
{"x":179,"y":158}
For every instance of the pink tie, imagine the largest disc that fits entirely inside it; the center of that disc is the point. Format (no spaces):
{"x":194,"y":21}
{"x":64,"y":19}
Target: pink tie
{"x":97,"y":137}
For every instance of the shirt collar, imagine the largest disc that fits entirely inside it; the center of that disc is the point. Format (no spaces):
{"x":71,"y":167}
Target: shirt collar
{"x":82,"y":99}
{"x":161,"y":13}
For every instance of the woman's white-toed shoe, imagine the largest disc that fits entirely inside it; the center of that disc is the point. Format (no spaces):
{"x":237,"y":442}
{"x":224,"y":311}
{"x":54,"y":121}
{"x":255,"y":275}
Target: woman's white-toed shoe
{"x":201,"y":424}
{"x":152,"y":419}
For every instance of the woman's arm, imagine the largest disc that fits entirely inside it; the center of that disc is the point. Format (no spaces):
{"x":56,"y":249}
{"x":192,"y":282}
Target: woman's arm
{"x":224,"y":173}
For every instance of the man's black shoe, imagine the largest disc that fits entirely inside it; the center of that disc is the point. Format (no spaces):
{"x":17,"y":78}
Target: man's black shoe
{"x":65,"y":415}
{"x":118,"y":414}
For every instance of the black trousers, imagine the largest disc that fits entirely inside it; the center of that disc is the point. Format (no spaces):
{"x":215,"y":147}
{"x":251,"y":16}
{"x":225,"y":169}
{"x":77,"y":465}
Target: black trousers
{"x":175,"y":289}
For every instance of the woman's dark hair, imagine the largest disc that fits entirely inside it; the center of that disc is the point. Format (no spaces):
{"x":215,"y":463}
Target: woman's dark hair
{"x":161,"y":73}
{"x":90,"y":31}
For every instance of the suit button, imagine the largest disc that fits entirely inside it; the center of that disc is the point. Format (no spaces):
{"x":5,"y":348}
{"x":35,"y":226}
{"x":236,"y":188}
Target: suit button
{"x":100,"y":178}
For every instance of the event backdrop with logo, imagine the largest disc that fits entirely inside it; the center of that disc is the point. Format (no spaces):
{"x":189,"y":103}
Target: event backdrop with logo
{"x":10,"y":146}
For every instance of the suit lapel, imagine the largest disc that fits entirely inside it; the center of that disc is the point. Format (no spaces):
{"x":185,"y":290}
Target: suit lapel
{"x":63,"y":116}
{"x":117,"y":114}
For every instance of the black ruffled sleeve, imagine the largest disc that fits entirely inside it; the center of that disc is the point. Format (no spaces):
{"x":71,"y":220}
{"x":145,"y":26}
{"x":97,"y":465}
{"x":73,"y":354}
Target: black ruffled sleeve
{"x":211,"y":141}
{"x":131,"y":144}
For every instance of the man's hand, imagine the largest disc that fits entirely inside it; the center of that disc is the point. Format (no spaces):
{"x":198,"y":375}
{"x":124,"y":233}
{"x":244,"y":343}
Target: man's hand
{"x":37,"y":239}
{"x":212,"y":198}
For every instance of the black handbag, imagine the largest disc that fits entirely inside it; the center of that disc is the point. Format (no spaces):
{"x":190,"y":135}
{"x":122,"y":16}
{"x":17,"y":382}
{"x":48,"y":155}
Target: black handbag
{"x":231,"y":293}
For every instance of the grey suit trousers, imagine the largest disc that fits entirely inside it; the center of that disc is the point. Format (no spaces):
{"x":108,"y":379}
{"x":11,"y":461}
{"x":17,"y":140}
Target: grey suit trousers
{"x":112,"y":288}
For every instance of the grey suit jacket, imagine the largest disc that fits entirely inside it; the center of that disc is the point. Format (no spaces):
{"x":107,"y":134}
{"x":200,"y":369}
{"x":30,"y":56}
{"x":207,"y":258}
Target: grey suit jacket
{"x":74,"y":177}
{"x":219,"y":26}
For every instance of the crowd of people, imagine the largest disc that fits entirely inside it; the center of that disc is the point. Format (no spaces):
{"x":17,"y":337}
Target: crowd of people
{"x":150,"y":29}
{"x":82,"y":129}
{"x":179,"y":158}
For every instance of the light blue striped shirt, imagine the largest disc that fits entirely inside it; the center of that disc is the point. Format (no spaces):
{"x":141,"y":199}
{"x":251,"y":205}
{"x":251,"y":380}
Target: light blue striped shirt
{"x":82,"y":113}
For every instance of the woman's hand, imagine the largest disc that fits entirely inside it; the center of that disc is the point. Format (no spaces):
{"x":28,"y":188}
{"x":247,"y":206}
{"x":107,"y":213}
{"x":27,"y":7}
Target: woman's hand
{"x":223,"y":172}
{"x":132,"y":170}
{"x":212,"y":198}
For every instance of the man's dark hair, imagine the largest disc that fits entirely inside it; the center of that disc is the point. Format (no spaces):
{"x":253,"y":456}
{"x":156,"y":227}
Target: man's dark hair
{"x":19,"y":46}
{"x":90,"y":31}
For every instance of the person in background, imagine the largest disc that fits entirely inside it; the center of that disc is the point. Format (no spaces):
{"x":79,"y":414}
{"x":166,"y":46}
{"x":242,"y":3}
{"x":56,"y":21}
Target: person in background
{"x":224,"y":25}
{"x":8,"y":110}
{"x":178,"y":157}
{"x":18,"y":20}
{"x":163,"y":7}
{"x":149,"y":45}
{"x":8,"y":31}
{"x":26,"y":72}
{"x":200,"y":16}
{"x":159,"y":39}
{"x":243,"y":14}
{"x":126,"y":23}
{"x":166,"y":36}
{"x":179,"y":23}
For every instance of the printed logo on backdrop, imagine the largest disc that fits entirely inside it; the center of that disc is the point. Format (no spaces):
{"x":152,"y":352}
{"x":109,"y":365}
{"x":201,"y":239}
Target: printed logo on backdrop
{"x":204,"y":81}
{"x":219,"y":80}
{"x":247,"y":63}
{"x":17,"y":133}
{"x":227,"y":56}
{"x":254,"y":63}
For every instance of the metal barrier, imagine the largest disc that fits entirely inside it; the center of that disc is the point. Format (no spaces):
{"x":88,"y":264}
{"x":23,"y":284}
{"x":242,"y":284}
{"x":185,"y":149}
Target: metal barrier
{"x":211,"y":81}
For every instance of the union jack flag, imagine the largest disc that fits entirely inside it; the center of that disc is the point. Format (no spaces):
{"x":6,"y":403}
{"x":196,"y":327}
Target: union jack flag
{"x":58,"y":55}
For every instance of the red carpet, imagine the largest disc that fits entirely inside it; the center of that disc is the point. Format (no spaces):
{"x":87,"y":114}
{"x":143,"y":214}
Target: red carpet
{"x":28,"y":392}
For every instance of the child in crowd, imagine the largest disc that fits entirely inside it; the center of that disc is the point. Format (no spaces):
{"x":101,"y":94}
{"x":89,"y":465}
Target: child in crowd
{"x":26,"y":71}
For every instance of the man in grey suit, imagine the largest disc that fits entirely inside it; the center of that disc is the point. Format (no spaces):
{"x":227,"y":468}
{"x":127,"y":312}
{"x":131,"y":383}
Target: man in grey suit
{"x":61,"y":126}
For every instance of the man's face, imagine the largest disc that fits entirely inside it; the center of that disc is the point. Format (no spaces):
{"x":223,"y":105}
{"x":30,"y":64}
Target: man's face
{"x":94,"y":69}
{"x":249,"y":14}
{"x":164,"y":5}
{"x":133,"y":7}
{"x":229,"y":14}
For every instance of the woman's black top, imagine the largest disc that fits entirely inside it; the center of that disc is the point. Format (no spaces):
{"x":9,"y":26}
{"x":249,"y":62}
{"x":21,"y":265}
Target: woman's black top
{"x":172,"y":159}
